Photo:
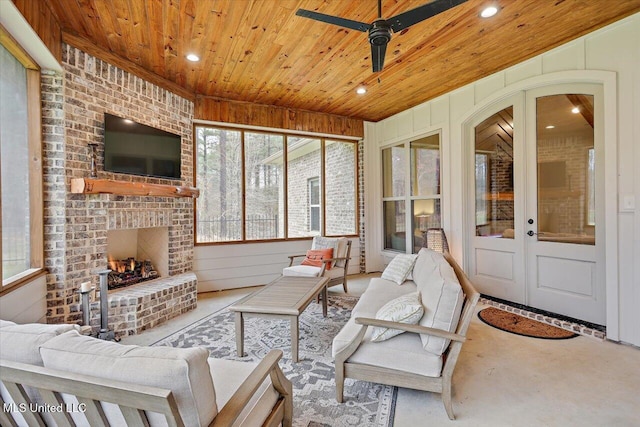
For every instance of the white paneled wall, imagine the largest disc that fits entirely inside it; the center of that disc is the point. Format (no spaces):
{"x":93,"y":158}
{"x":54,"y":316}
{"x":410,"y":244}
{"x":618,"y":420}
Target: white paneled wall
{"x":26,"y":304}
{"x":612,"y":52}
{"x":237,"y":266}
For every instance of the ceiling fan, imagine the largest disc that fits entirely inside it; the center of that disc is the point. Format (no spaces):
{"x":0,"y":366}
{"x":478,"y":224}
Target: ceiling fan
{"x":381,"y":29}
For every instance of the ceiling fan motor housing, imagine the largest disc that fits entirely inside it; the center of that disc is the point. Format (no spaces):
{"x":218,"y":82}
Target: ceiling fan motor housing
{"x":380,"y":33}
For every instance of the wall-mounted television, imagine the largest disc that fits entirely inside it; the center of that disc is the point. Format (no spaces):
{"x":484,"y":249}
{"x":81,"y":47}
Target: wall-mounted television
{"x":137,"y":149}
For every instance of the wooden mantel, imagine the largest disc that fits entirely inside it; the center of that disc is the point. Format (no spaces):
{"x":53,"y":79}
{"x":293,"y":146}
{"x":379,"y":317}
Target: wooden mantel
{"x":126,"y":188}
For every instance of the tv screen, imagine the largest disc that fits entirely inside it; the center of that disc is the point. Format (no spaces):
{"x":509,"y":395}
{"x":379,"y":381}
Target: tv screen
{"x":137,"y":149}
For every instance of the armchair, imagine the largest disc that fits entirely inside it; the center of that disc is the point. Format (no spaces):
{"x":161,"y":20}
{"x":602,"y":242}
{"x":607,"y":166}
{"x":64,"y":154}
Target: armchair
{"x":339,"y":264}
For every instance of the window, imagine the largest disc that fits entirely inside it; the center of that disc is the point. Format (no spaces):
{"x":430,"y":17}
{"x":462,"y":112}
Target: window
{"x":20,"y":169}
{"x":314,"y":204}
{"x":263,"y":186}
{"x":411,"y":183}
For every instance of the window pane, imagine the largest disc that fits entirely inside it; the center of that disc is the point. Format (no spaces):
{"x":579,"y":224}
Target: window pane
{"x":494,"y":175}
{"x":425,"y":166}
{"x":264,"y":196}
{"x":314,"y":204}
{"x":340,"y":182}
{"x":219,"y":178}
{"x":303,"y":163}
{"x":426,"y":214}
{"x":393,"y":171}
{"x":394,"y":226}
{"x":565,"y":139}
{"x":15,"y":166}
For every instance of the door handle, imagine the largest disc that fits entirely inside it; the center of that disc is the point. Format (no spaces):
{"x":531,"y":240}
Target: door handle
{"x":530,"y":221}
{"x":531,"y":233}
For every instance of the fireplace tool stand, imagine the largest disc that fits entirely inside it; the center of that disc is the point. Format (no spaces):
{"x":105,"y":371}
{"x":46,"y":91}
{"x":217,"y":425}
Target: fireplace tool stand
{"x":105,"y":333}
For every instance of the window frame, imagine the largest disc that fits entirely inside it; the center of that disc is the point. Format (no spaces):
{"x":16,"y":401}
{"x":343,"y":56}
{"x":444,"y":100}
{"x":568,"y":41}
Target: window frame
{"x":34,"y":142}
{"x":285,"y":134}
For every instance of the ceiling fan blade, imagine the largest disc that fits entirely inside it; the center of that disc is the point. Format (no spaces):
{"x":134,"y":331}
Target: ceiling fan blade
{"x":420,"y":13}
{"x":377,"y":56}
{"x":335,"y":20}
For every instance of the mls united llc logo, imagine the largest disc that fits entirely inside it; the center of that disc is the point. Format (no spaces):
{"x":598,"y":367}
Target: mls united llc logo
{"x":44,"y":407}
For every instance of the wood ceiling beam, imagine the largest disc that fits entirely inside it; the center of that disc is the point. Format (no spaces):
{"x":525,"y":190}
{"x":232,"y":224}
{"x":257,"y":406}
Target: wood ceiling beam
{"x":113,"y":59}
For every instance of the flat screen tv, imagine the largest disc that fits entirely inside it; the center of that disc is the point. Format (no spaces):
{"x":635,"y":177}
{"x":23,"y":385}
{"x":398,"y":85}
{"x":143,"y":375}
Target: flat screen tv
{"x":137,"y":149}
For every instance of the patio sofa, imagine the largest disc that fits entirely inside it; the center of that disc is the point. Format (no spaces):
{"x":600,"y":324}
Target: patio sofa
{"x":408,"y":327}
{"x":53,"y":375}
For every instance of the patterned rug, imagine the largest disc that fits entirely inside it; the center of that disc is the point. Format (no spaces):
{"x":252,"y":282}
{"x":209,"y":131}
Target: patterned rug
{"x":314,"y":391}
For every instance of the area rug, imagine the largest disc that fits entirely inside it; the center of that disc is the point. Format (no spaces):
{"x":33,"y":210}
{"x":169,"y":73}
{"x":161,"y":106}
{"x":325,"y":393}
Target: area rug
{"x":520,"y":325}
{"x":314,"y":390}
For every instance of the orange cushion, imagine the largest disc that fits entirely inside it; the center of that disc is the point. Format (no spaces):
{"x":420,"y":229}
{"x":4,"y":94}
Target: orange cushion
{"x":315,"y":256}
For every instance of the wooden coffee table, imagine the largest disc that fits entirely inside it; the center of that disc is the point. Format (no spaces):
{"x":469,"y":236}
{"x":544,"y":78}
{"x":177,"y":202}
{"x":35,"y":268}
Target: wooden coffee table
{"x":286,"y":297}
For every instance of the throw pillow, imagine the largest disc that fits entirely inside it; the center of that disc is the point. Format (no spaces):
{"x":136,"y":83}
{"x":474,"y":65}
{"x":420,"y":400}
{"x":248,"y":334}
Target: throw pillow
{"x":405,"y":309}
{"x":399,"y":268}
{"x":315,"y":256}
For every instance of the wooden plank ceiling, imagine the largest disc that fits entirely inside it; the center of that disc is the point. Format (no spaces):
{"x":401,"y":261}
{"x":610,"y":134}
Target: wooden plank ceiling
{"x":259,"y":51}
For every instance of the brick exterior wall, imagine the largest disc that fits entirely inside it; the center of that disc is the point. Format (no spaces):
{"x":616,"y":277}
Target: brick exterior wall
{"x":76,"y":224}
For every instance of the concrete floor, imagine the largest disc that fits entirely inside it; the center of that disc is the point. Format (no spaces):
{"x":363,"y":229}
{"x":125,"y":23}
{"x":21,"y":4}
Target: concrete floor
{"x":501,"y":379}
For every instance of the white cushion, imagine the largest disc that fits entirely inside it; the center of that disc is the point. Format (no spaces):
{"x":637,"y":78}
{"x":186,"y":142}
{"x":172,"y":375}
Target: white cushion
{"x":379,"y":292}
{"x":442,"y":298}
{"x":21,"y":343}
{"x":403,"y":352}
{"x":405,"y":309}
{"x":341,"y":252}
{"x":302,"y":271}
{"x":184,"y":371}
{"x":399,"y":268}
{"x":228,"y":375}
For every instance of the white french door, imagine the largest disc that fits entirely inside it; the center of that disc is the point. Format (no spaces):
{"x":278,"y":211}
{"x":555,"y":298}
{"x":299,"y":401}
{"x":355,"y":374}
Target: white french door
{"x":564,"y":209}
{"x":535,"y":225}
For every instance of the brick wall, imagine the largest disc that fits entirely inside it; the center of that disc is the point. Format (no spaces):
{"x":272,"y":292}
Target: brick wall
{"x":76,"y":225}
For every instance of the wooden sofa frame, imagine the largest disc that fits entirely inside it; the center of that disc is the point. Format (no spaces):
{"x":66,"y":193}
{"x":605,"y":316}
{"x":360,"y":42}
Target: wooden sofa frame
{"x":133,"y":400}
{"x":442,"y":384}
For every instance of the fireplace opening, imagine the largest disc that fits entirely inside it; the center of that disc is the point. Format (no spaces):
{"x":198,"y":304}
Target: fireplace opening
{"x":136,"y":255}
{"x":127,"y":272}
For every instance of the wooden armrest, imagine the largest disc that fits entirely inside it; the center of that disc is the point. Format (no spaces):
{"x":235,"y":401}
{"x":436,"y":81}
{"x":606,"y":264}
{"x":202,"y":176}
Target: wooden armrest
{"x":296,"y":256}
{"x":267,"y":366}
{"x":417,"y":329}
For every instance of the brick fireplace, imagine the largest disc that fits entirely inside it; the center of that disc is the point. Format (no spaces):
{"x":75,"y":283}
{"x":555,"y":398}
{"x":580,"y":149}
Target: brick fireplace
{"x":77,"y":225}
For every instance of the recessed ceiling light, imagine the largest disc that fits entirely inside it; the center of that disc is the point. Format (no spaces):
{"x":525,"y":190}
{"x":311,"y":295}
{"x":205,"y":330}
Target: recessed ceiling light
{"x":551,"y":127}
{"x":575,"y":110}
{"x":488,"y":12}
{"x":193,"y":57}
{"x":127,"y":121}
{"x":361,"y":91}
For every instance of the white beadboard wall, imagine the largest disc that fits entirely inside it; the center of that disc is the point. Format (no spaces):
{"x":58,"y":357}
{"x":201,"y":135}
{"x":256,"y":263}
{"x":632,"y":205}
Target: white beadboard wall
{"x":613,"y":50}
{"x":232,"y":266}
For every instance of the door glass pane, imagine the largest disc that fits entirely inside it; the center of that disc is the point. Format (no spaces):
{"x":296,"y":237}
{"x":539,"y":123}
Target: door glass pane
{"x":264,"y":189}
{"x":426,"y":214}
{"x":303,"y":164}
{"x":494,"y":175}
{"x":393,"y":172}
{"x":340,"y":183}
{"x":219,"y":178}
{"x":425,"y":166}
{"x":566,"y":168}
{"x":394,"y":226}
